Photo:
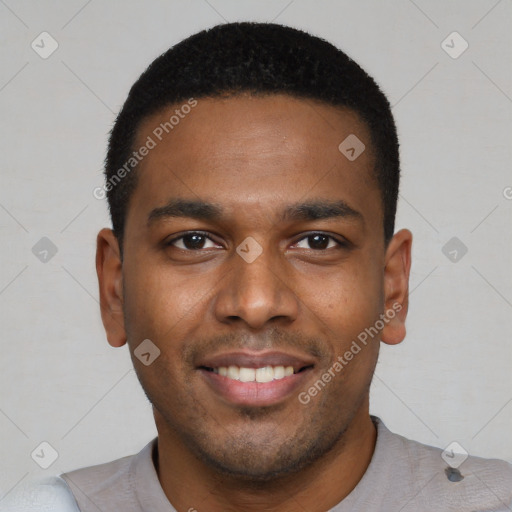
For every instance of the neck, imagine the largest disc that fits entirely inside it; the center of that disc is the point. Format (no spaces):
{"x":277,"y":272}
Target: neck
{"x":190,"y":485}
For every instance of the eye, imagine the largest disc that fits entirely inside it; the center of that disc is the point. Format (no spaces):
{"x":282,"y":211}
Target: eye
{"x":193,"y":241}
{"x":197,"y":240}
{"x":320,"y":241}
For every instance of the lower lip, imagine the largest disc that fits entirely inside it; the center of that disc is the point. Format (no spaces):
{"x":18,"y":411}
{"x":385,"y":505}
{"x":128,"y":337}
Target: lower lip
{"x":255,"y":393}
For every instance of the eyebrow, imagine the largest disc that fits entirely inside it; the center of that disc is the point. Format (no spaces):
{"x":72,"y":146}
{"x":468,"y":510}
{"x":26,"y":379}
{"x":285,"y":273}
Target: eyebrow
{"x":195,"y":209}
{"x":305,"y":211}
{"x":320,"y":209}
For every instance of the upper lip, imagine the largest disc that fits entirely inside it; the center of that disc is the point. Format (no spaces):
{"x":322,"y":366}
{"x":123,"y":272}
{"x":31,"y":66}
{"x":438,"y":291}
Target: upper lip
{"x":248,"y":359}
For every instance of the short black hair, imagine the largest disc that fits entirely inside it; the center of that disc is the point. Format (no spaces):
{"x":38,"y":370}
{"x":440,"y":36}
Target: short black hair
{"x":259,"y":59}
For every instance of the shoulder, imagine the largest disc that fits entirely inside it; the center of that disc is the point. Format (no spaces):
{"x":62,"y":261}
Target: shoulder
{"x":101,"y":478}
{"x":117,"y":482}
{"x":51,"y":494}
{"x":452,"y":479}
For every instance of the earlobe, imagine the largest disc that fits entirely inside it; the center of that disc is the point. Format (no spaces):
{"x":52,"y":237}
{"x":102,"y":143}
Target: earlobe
{"x":396,"y":286}
{"x":110,"y":280}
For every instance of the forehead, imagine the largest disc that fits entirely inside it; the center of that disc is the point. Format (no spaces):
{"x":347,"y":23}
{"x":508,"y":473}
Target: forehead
{"x":277,"y":121}
{"x":260,"y":151}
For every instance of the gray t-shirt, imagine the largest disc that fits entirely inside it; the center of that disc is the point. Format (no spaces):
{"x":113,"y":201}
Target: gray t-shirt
{"x":403,"y":475}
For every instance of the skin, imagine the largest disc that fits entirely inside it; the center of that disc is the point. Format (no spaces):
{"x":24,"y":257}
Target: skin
{"x":311,"y":297}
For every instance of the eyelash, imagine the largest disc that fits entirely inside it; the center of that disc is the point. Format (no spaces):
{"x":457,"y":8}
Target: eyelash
{"x":341,"y":243}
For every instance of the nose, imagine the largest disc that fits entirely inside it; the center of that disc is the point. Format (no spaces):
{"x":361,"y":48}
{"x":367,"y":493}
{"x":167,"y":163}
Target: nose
{"x":257,"y":293}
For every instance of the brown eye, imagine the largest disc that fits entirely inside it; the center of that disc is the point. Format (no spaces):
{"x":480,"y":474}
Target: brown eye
{"x":319,"y":241}
{"x":192,"y":242}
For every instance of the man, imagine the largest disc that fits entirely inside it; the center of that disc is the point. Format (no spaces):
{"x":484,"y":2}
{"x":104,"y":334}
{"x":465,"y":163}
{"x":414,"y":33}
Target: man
{"x":253,"y":270}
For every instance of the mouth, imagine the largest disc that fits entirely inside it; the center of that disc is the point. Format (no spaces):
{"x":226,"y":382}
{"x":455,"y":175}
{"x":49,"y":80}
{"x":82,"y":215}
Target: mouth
{"x":252,"y":379}
{"x":262,"y":375}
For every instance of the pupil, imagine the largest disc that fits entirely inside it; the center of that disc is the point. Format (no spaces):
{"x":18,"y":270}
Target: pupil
{"x":322,"y":245}
{"x":194,"y":241}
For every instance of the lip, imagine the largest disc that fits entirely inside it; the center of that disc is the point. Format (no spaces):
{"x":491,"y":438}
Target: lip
{"x":255,"y":394}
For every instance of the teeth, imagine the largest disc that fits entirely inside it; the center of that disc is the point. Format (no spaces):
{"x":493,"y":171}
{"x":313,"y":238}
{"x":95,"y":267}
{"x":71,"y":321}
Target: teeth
{"x":233,"y":372}
{"x":264,"y":374}
{"x":247,"y":375}
{"x":278,"y":372}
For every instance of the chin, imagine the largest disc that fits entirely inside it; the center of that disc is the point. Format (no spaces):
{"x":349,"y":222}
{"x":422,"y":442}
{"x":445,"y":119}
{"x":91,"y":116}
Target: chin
{"x":250,"y":461}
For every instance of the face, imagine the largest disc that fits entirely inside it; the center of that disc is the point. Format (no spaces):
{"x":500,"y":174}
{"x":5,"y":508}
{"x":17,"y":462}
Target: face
{"x":253,"y":257}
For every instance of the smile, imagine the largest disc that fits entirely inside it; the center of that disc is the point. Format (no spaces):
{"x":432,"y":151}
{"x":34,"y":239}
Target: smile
{"x":264,"y":374}
{"x":245,"y":378}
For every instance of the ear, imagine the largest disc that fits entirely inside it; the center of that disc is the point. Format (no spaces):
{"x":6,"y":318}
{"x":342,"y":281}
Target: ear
{"x":110,"y":279}
{"x":396,"y":286}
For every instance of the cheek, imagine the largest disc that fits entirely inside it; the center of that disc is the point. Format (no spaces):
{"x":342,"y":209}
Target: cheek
{"x":158,"y":303}
{"x":160,"y":308}
{"x":348,"y":301}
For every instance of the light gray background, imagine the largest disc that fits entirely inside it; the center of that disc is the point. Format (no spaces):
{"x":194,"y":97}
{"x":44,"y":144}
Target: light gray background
{"x":60,"y":380}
